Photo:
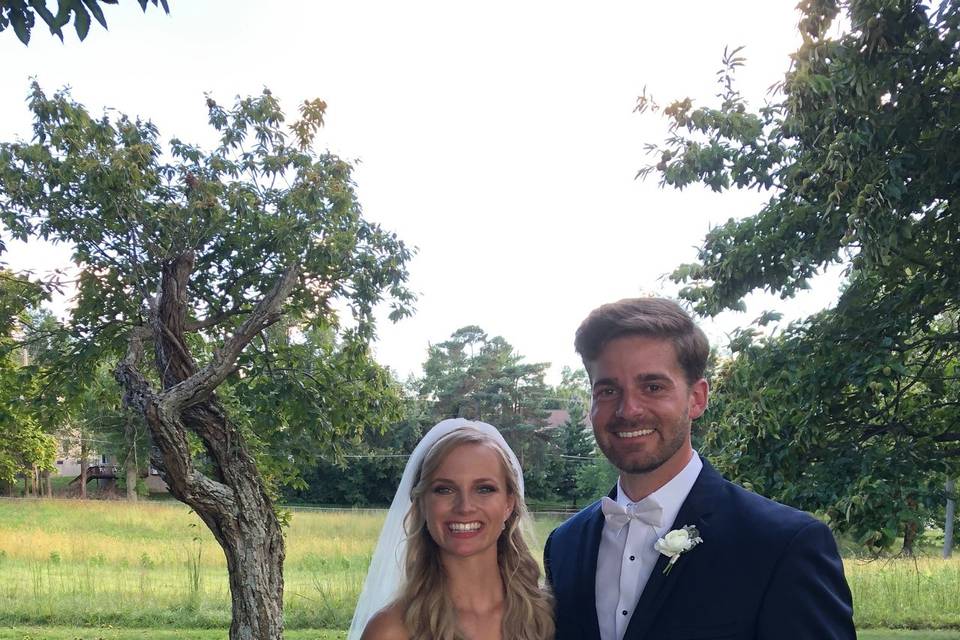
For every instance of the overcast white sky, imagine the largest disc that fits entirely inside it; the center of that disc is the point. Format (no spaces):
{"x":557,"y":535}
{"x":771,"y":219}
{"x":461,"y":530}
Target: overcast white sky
{"x":497,"y":137}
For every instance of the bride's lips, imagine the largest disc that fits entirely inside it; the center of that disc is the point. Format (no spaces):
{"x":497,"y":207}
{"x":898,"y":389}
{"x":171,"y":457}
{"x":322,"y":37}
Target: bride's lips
{"x":464,"y":529}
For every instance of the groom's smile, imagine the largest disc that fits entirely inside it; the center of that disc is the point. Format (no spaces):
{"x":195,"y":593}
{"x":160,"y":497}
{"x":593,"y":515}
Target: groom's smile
{"x":642,"y":410}
{"x":633,"y":434}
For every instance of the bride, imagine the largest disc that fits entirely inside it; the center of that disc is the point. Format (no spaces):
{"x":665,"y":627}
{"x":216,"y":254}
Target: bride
{"x":456,"y":524}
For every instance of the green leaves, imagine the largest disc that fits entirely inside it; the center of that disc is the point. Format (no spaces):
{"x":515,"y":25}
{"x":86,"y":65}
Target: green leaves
{"x":101,"y":186}
{"x":852,"y":136}
{"x":849,"y":412}
{"x":20,"y":14}
{"x":23,"y":441}
{"x":247,"y":211}
{"x":81,"y":21}
{"x":301,"y":401}
{"x":835,"y":415}
{"x":20,"y":19}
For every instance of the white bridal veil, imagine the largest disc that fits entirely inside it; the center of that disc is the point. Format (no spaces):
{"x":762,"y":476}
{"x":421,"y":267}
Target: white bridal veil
{"x":386,"y":567}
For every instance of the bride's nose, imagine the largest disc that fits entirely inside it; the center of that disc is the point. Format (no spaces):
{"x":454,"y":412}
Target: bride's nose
{"x":463,"y":502}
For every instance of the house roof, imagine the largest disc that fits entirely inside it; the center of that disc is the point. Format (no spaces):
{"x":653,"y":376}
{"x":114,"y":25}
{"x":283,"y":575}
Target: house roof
{"x":557,"y":417}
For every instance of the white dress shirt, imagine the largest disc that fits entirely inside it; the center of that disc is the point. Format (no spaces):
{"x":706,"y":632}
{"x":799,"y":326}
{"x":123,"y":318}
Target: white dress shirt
{"x":626,"y":557}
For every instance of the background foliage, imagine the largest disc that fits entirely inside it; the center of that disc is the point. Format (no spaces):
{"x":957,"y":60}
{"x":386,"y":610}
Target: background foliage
{"x":853,"y":411}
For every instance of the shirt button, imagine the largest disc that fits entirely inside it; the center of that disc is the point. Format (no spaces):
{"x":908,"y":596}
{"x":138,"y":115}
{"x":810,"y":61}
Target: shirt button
{"x":624,"y":612}
{"x":632,"y":558}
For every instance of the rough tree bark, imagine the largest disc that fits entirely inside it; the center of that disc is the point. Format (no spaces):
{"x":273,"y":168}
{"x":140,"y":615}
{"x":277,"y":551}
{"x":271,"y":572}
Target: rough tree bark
{"x":232,"y":499}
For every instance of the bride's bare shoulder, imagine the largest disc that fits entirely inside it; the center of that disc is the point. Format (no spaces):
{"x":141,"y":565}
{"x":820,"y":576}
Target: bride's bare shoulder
{"x":387,"y":624}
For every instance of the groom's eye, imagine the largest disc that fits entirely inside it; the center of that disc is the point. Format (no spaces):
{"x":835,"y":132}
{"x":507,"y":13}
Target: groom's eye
{"x":604,"y":392}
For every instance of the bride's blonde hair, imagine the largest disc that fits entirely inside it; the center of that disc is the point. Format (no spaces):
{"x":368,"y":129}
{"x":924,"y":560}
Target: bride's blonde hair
{"x":424,"y":599}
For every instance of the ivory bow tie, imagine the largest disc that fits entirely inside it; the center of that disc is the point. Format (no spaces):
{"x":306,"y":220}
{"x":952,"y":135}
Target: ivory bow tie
{"x":647,"y":510}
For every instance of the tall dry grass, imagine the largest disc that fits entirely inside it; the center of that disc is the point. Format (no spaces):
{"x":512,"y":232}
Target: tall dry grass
{"x":911,"y":593}
{"x":148,"y":564}
{"x":152,"y":564}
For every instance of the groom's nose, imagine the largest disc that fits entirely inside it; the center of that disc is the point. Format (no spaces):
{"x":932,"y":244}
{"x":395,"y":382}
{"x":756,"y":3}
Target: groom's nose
{"x":631,"y":404}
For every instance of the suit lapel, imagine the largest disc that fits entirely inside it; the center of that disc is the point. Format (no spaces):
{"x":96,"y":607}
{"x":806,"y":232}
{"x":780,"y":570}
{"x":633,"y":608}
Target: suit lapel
{"x":589,"y":550}
{"x":696,"y":510}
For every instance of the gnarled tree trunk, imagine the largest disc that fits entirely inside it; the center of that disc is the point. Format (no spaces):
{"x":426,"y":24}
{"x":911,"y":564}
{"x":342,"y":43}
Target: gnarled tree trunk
{"x":232,"y":500}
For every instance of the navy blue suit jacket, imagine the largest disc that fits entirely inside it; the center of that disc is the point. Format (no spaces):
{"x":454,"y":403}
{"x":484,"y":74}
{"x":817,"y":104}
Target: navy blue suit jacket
{"x":763,"y":572}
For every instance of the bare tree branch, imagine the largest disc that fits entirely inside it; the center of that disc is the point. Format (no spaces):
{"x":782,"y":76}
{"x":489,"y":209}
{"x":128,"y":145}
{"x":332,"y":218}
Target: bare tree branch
{"x":211,"y":321}
{"x":198,"y":386}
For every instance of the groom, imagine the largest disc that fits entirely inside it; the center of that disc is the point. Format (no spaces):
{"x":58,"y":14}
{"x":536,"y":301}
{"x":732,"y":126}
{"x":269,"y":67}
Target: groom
{"x":760,"y":570}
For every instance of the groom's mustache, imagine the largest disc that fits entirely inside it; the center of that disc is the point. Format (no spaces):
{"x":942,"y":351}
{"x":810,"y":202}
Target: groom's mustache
{"x":622,"y":424}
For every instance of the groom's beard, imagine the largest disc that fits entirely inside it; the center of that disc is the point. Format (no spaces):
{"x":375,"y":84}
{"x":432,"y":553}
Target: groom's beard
{"x":644,"y":457}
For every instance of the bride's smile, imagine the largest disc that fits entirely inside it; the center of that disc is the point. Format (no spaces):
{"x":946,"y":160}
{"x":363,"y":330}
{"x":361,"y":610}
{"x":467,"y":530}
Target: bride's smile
{"x":464,"y":527}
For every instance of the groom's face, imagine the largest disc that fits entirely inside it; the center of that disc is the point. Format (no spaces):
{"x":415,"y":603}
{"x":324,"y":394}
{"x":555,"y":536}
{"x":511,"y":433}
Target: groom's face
{"x":643,"y":405}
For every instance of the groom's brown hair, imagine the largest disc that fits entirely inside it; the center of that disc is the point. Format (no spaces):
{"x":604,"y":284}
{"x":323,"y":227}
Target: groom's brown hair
{"x":653,"y":317}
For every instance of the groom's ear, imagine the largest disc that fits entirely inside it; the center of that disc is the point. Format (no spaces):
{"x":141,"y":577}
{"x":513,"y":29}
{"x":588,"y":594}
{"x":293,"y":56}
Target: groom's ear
{"x":698,"y":398}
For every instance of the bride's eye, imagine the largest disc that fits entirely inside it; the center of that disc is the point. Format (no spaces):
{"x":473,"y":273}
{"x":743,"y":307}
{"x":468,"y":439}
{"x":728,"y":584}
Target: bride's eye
{"x":487,"y":488}
{"x":442,"y":490}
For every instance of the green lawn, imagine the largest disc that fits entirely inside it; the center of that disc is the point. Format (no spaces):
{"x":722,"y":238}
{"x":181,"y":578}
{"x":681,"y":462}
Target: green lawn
{"x":73,"y":633}
{"x":900,"y":634}
{"x":97,"y":569}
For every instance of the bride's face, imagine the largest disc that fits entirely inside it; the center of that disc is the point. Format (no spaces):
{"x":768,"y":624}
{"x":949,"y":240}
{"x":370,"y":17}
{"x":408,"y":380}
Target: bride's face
{"x":468,"y":501}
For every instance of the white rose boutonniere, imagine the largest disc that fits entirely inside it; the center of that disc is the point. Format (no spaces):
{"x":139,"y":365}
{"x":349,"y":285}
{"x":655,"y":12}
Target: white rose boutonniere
{"x":677,"y":542}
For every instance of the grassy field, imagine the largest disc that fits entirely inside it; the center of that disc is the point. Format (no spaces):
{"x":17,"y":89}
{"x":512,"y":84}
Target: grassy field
{"x":65,"y":633}
{"x":101,"y":564}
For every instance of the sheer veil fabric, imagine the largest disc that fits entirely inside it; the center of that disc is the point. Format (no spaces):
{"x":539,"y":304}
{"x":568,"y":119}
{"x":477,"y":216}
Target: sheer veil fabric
{"x":386,"y":567}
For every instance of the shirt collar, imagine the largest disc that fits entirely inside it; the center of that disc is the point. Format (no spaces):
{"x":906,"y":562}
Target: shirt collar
{"x":670,"y":496}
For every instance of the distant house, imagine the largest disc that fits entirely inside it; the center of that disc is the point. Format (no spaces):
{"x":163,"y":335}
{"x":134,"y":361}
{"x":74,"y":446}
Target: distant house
{"x":71,"y":466}
{"x":558,"y":417}
{"x":68,"y":465}
{"x":69,"y":456}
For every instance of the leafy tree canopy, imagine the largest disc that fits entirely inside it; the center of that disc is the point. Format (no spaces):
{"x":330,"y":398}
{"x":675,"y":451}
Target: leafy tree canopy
{"x":22,"y":15}
{"x":475,"y":376}
{"x":232,"y":265}
{"x":23,"y":442}
{"x":858,"y":149}
{"x":864,"y":432}
{"x":260,"y":204}
{"x":859,"y":152}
